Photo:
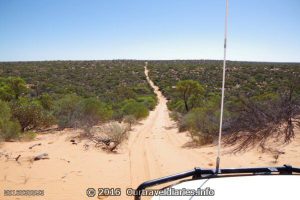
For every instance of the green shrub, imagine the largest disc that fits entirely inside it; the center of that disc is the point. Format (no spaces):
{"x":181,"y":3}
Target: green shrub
{"x":176,"y":116}
{"x":138,"y":110}
{"x":31,"y":115}
{"x":5,"y":112}
{"x":90,"y":112}
{"x":9,"y":129}
{"x":6,"y":92}
{"x":176,"y":105}
{"x":148,"y":101}
{"x":203,"y":122}
{"x":66,"y":110}
{"x":12,"y":88}
{"x":94,"y":110}
{"x":117,"y":112}
{"x":18,"y":86}
{"x":46,"y":101}
{"x":75,"y":111}
{"x":201,"y":129}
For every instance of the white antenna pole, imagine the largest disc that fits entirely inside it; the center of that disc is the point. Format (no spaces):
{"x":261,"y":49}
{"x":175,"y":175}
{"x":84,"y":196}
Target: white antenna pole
{"x":223,"y":89}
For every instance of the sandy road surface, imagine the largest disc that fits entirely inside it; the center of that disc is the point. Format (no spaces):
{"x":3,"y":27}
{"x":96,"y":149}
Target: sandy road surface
{"x":154,"y":149}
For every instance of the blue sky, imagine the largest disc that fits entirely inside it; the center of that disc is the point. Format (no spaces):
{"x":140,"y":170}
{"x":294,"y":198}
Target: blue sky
{"x":259,"y":30}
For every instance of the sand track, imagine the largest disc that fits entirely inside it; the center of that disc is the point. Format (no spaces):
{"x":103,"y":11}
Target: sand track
{"x":160,"y":144}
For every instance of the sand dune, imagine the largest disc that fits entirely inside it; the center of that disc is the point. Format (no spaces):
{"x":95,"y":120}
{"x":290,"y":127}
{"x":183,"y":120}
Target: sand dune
{"x":154,"y":149}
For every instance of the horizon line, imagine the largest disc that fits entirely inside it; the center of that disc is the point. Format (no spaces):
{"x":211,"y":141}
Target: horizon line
{"x":133,"y":59}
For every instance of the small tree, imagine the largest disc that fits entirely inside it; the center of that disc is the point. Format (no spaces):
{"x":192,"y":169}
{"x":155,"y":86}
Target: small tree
{"x":190,"y":92}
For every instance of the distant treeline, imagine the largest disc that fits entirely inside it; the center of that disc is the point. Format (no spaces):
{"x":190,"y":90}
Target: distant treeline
{"x":35,"y":95}
{"x":262,"y":100}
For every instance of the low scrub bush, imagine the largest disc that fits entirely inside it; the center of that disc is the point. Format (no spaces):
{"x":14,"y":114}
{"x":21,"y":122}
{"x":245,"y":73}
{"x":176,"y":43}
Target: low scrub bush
{"x":31,"y":115}
{"x":66,"y":110}
{"x":137,"y":109}
{"x":176,"y":116}
{"x":130,"y":119}
{"x":46,"y":101}
{"x":148,"y":101}
{"x":116,"y":132}
{"x":74,"y":111}
{"x":90,"y":112}
{"x":201,"y":129}
{"x":203,"y":122}
{"x":12,"y":88}
{"x":9,"y":129}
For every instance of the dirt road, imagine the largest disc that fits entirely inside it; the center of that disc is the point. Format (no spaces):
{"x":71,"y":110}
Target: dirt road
{"x":154,"y":149}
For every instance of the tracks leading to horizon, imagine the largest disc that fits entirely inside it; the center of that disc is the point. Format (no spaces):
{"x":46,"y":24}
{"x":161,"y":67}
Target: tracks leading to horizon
{"x":155,"y":147}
